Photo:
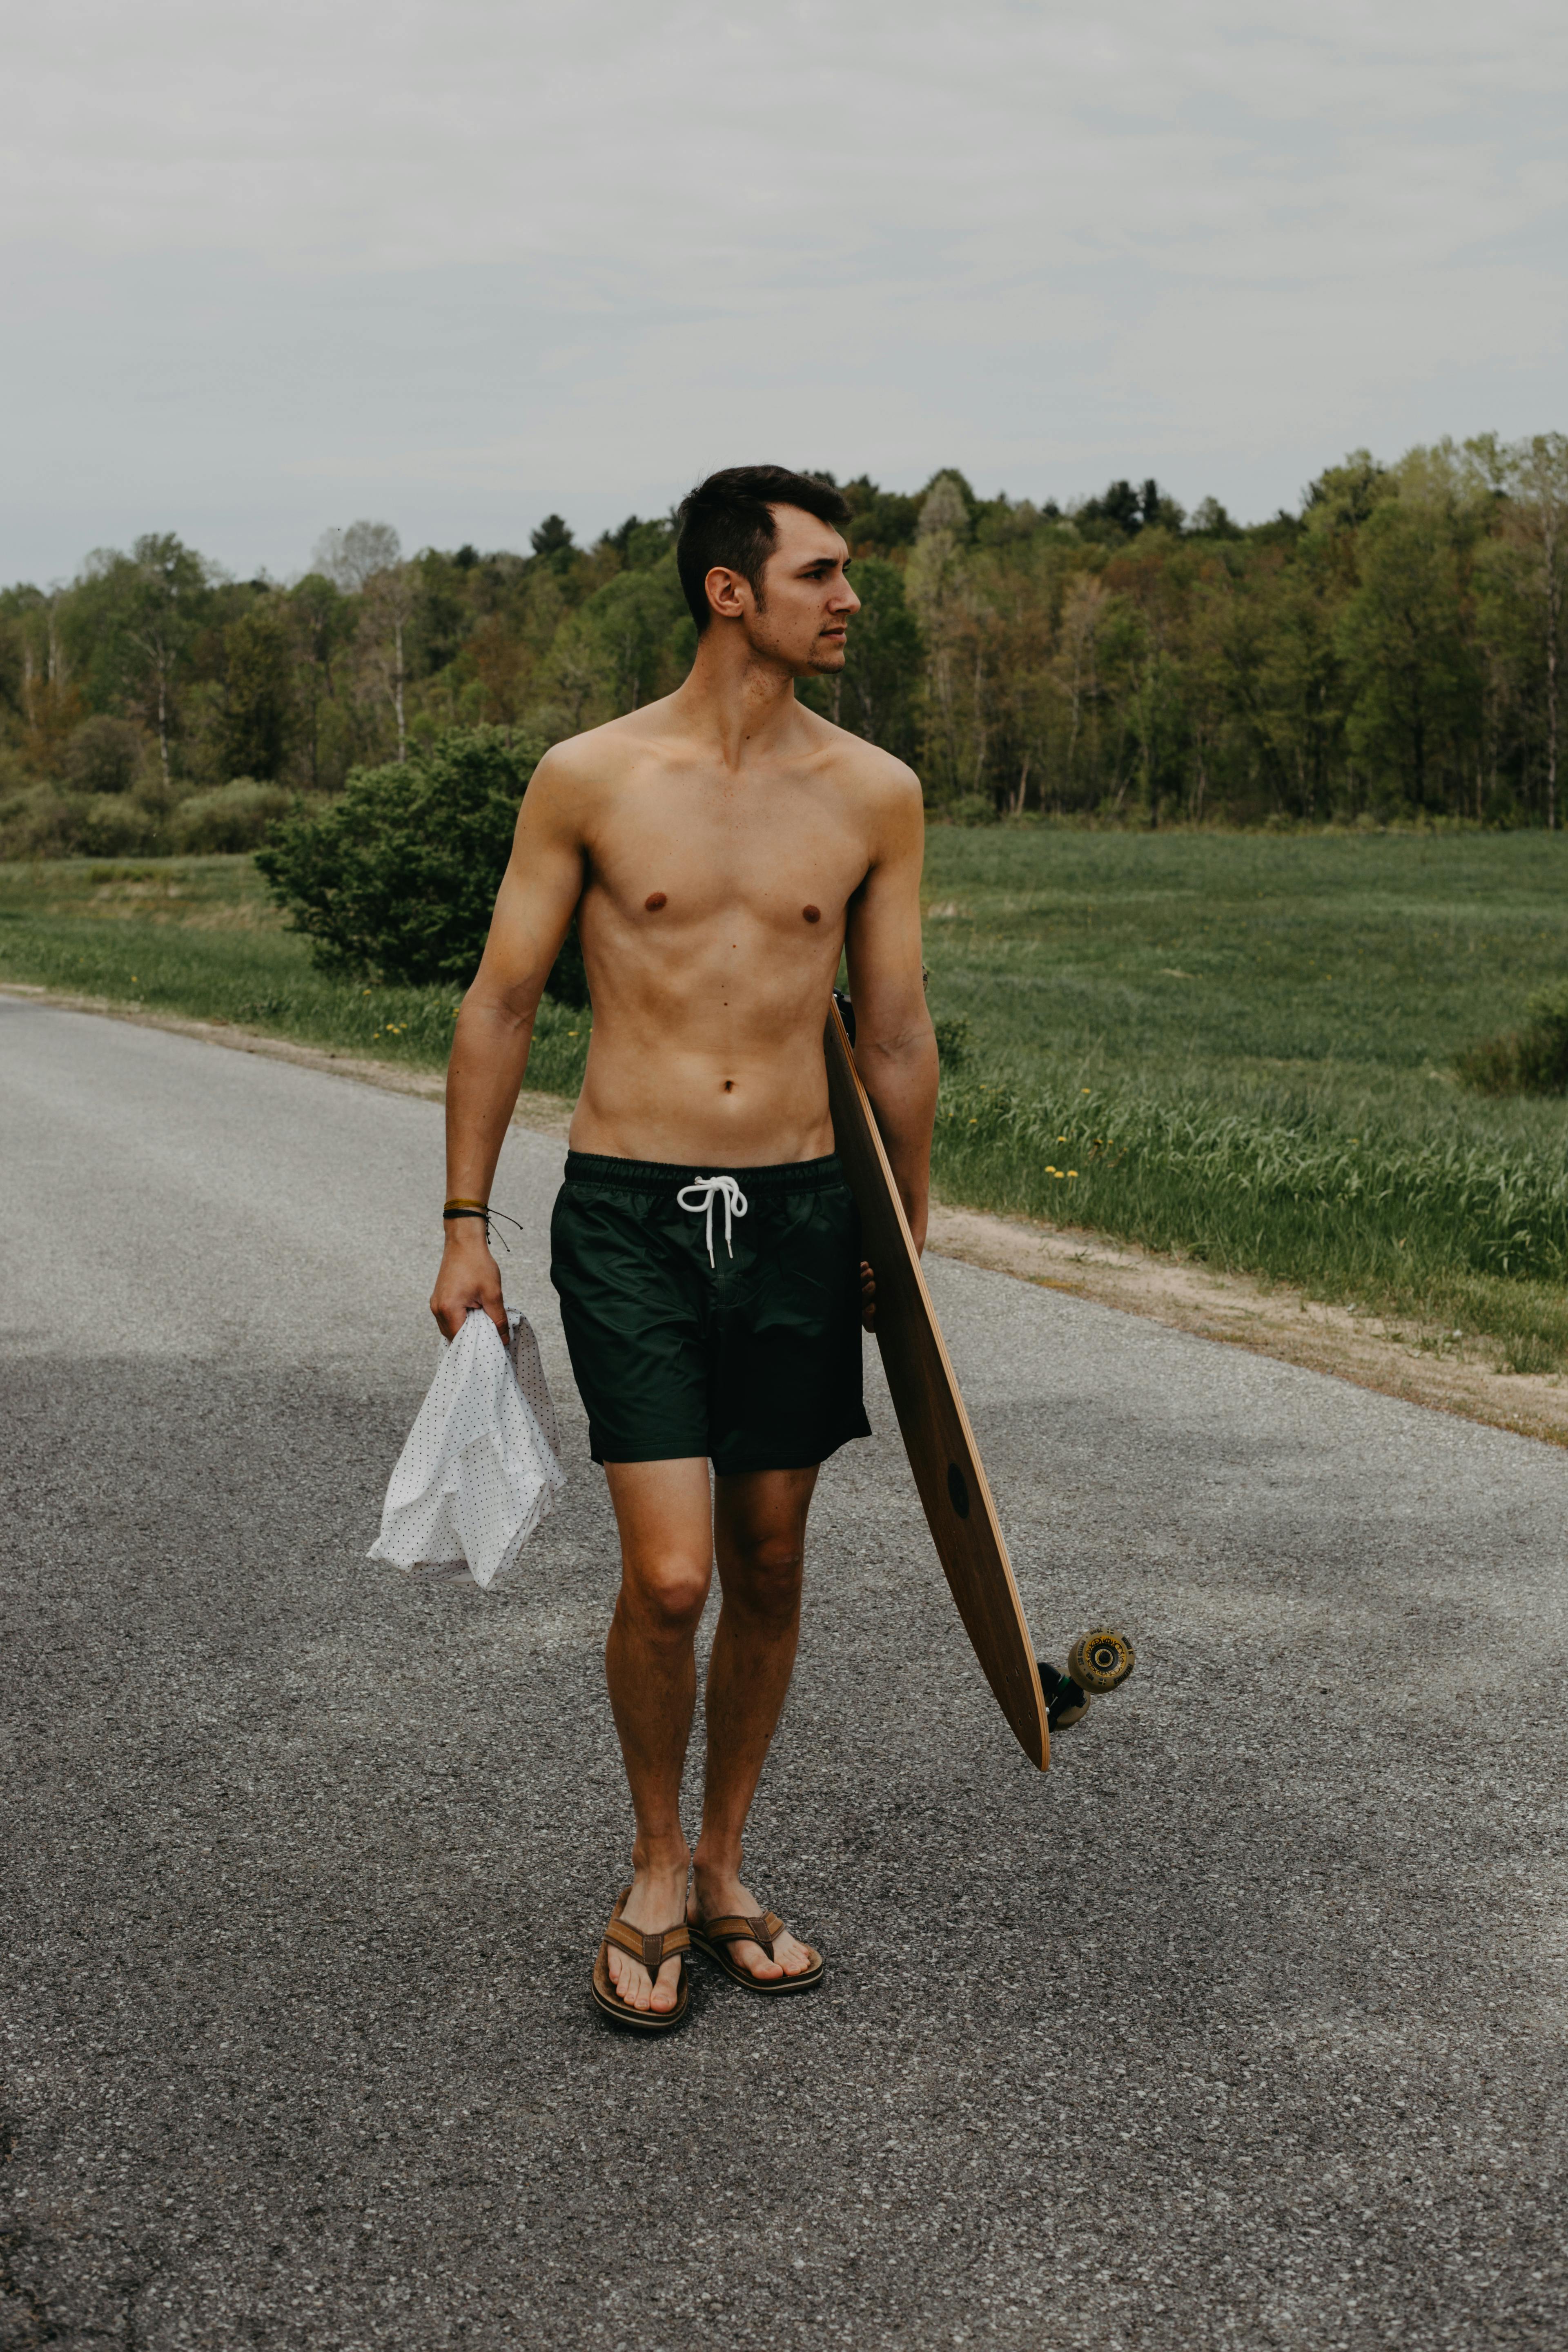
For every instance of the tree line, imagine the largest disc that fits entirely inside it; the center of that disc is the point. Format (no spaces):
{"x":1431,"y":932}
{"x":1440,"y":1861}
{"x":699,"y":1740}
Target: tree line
{"x":1393,"y":650}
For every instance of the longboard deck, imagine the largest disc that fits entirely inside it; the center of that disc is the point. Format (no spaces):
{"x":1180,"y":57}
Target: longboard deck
{"x":949,"y":1474}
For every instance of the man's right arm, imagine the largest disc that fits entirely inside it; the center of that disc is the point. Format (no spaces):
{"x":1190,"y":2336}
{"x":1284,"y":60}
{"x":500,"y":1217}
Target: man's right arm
{"x":534,"y":906}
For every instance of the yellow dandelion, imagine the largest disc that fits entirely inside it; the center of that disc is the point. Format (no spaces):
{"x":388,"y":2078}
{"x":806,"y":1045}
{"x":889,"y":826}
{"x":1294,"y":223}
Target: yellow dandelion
{"x":1072,"y":1172}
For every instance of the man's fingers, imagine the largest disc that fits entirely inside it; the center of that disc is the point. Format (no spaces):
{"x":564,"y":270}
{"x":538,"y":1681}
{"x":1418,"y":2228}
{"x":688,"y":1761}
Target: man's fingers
{"x":450,"y":1318}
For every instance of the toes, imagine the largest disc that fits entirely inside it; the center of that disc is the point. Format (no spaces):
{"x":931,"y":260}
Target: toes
{"x":663,"y":1996}
{"x":629,"y":1979}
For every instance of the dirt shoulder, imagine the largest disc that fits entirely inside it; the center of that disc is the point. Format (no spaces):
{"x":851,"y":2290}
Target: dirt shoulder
{"x":1401,"y":1360}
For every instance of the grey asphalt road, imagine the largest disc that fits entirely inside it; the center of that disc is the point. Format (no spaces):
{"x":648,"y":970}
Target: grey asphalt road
{"x":1243,"y":2027}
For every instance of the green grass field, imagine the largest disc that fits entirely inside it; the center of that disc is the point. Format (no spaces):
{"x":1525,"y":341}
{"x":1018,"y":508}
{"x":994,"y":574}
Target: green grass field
{"x":1241,"y":1046}
{"x":199,"y":936}
{"x":1235,"y":1046}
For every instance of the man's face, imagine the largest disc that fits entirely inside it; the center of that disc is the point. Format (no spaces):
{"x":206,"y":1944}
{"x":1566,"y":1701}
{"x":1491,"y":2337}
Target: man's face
{"x":806,"y":600}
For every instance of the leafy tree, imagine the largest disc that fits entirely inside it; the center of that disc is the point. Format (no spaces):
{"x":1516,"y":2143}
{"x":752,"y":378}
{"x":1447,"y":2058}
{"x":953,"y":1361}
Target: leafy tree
{"x":259,"y":704}
{"x":137,"y":614}
{"x":1404,"y":649}
{"x":879,"y":520}
{"x":1120,"y":505}
{"x":939,"y":589}
{"x":639,"y":545}
{"x":882,"y":660}
{"x":1210,"y":521}
{"x":323,"y":621}
{"x":632,"y":617}
{"x":1538,"y":479}
{"x":351,"y":559}
{"x":1344,"y":497}
{"x":552,"y":543}
{"x":387,"y":604}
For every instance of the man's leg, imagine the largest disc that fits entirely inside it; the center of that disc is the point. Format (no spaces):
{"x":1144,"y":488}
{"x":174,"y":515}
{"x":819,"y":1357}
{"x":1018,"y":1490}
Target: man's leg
{"x":758,"y":1527}
{"x":665,"y":1516}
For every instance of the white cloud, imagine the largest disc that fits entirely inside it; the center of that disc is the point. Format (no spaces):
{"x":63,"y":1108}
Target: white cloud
{"x":456,"y":263}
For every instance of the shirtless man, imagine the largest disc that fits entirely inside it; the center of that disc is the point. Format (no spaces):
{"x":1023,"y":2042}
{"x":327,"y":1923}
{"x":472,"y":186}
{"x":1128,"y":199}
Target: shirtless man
{"x":718,"y":848}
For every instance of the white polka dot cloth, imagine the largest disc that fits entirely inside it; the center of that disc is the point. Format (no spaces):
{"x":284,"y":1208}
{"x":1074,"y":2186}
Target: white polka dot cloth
{"x":481,"y":1467}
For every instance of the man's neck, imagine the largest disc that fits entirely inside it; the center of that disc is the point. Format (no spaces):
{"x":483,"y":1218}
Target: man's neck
{"x":739,"y":701}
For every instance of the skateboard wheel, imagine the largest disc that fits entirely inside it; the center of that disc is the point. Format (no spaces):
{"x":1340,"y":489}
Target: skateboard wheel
{"x":1097,"y":1662}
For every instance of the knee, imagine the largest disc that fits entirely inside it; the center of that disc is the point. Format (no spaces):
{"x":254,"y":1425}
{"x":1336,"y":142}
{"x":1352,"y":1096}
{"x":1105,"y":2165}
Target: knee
{"x":769,"y":1574}
{"x":664,"y":1597}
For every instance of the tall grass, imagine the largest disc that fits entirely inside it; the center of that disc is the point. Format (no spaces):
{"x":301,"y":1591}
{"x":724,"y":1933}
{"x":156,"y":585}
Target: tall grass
{"x":1438,"y":1230}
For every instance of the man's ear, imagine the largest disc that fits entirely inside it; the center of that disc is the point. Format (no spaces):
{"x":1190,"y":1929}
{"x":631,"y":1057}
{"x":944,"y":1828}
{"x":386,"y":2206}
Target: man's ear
{"x":724,"y":588}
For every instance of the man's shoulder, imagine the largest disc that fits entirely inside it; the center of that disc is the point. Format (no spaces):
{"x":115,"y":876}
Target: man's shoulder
{"x":599,"y":754}
{"x":887,"y":782}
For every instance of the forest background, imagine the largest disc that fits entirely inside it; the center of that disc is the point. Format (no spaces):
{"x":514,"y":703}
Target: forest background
{"x":1391,"y":653}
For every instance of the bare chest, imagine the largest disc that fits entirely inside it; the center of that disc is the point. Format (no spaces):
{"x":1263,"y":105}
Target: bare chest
{"x":703,"y":854}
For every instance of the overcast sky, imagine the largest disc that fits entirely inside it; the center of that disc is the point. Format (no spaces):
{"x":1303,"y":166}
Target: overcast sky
{"x":268,"y":268}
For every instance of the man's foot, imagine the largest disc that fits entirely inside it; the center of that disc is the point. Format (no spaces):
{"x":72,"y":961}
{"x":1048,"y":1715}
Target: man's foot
{"x":657,"y":1900}
{"x":718,"y":1912}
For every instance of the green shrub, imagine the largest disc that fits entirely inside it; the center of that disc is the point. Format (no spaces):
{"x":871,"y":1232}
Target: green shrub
{"x":1529,"y":1061}
{"x":104,"y":755}
{"x":46,"y":824}
{"x":396,"y":882}
{"x":230,"y":817}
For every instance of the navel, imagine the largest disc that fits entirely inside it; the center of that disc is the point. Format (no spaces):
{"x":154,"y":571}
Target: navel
{"x":812,"y":914}
{"x":729,"y":1086}
{"x":655,"y":900}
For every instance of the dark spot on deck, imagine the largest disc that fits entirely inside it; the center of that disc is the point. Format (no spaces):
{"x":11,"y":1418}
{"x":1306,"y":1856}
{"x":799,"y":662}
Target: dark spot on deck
{"x":655,"y":900}
{"x":812,"y":914}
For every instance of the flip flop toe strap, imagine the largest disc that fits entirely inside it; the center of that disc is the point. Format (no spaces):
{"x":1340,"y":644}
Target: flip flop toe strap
{"x":651,"y":1951}
{"x":733,"y":1929}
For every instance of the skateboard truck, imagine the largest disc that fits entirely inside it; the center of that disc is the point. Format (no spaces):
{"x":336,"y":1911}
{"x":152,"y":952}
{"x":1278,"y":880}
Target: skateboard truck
{"x":1097,"y":1663}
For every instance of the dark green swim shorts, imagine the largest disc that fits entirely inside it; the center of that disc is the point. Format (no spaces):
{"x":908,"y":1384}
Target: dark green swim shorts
{"x":712,"y":1312}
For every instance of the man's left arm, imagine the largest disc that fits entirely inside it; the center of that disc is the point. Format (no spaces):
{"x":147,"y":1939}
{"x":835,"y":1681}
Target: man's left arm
{"x":895,"y":1045}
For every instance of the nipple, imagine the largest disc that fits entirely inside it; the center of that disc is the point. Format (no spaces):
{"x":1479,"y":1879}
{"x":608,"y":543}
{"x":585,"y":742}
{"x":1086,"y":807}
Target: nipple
{"x":812,"y":914}
{"x":655,"y":900}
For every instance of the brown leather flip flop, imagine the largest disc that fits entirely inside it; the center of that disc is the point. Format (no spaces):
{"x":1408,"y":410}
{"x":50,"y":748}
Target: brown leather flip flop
{"x":652,"y":1952}
{"x":714,"y":1937}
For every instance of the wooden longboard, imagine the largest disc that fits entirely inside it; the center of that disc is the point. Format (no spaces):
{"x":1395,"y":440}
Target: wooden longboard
{"x":935,"y":1428}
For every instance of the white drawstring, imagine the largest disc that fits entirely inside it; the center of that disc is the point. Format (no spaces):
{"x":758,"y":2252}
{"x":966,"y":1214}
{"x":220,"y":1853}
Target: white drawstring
{"x":706,"y":1188}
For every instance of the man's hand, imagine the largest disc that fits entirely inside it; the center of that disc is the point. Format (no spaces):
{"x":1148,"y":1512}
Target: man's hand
{"x":470,"y":1277}
{"x":868,"y":1297}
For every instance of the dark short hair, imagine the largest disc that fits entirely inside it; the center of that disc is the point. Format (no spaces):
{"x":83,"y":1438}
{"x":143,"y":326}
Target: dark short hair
{"x":727,"y":520}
